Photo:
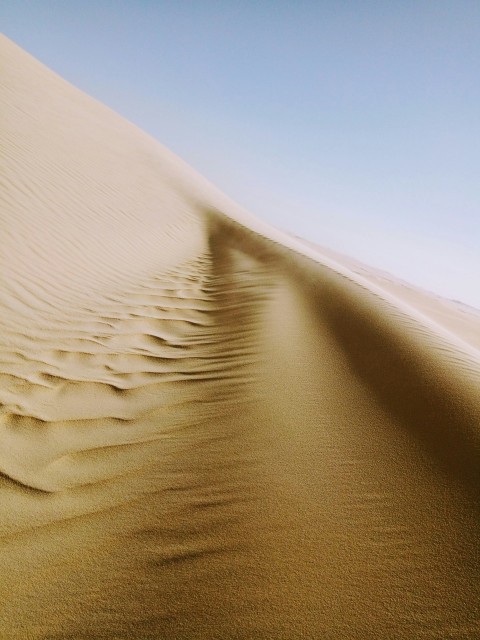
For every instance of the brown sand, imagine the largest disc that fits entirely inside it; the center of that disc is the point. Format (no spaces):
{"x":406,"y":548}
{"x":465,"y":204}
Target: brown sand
{"x":210,"y":429}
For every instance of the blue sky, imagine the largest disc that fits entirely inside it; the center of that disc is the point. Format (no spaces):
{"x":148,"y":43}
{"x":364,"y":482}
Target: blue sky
{"x":353,"y":123}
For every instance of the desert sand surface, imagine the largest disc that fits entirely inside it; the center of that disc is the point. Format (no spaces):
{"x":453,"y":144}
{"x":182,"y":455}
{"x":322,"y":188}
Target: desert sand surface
{"x":209,"y":428}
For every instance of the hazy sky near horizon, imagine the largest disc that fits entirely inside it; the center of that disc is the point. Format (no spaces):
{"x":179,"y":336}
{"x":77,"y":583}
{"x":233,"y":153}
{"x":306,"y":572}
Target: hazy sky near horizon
{"x":355,"y":124}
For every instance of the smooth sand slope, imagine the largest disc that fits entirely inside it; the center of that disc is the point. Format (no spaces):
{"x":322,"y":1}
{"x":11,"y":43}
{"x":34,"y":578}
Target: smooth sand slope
{"x":210,"y":429}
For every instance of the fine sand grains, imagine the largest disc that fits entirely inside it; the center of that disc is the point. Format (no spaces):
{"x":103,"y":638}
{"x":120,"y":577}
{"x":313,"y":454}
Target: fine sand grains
{"x":209,"y":429}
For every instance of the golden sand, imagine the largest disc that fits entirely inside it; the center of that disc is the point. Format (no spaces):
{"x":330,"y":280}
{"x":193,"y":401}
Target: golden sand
{"x":210,"y":429}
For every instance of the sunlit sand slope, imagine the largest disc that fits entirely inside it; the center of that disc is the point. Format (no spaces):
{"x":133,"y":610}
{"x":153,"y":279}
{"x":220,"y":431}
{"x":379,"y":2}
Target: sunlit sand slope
{"x":210,"y":429}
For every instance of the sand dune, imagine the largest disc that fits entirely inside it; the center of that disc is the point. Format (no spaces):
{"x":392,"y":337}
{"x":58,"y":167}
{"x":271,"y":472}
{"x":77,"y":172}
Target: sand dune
{"x":210,"y":429}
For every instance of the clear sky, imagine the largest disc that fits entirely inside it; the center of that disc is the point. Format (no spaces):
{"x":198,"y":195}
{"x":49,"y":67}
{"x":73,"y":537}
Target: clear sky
{"x":354,"y":123}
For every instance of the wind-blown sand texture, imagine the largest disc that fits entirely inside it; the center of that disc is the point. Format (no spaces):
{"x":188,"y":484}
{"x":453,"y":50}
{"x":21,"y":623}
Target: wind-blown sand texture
{"x":210,"y":429}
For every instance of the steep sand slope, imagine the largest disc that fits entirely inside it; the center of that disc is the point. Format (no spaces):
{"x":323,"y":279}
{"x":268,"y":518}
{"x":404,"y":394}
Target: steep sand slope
{"x":210,"y":429}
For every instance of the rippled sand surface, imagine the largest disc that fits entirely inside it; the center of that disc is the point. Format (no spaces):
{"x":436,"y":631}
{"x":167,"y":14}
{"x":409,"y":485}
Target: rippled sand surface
{"x":208,"y":428}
